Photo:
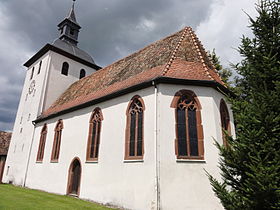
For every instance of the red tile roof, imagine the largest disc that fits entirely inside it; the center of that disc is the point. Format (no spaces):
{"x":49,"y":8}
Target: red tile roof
{"x":179,"y":56}
{"x":5,"y":139}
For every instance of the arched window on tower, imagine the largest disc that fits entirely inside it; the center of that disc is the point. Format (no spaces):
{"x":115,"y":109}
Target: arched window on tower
{"x":41,"y":148}
{"x":39,"y":69}
{"x":189,"y":131}
{"x":57,"y":141}
{"x":94,"y":135}
{"x":82,"y":73}
{"x":134,"y":143}
{"x":32,"y":73}
{"x":65,"y":67}
{"x":225,"y":121}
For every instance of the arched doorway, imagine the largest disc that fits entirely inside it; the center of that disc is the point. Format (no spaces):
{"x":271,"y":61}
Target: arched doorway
{"x":74,"y":177}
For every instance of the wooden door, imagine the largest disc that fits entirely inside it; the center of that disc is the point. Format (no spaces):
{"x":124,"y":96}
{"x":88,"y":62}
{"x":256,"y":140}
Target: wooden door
{"x":74,"y":178}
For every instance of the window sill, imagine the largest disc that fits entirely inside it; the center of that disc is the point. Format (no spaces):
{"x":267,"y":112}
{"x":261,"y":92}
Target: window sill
{"x":134,"y":161}
{"x":54,"y":161}
{"x":92,"y":161}
{"x":190,"y":161}
{"x":39,"y":161}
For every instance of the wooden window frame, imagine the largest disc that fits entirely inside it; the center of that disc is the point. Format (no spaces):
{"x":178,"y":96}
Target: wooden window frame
{"x":65,"y":67}
{"x":57,"y":141}
{"x":42,"y":143}
{"x":199,"y":127}
{"x":224,"y":113}
{"x":95,"y":116}
{"x":127,"y":132}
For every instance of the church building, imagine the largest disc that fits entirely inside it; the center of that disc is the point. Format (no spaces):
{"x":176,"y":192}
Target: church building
{"x":137,"y":134}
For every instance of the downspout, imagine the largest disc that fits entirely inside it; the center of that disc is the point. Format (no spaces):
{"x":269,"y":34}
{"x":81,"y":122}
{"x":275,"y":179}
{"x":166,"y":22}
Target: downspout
{"x":157,"y":159}
{"x":29,"y":155}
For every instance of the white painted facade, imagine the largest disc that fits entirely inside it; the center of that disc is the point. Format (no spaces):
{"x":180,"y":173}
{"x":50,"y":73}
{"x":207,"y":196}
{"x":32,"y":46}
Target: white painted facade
{"x":49,"y":85}
{"x":133,"y":184}
{"x":158,"y":181}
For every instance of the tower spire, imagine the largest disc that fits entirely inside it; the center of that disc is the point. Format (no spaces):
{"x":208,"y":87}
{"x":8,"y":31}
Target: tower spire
{"x":71,"y":14}
{"x":69,"y":28}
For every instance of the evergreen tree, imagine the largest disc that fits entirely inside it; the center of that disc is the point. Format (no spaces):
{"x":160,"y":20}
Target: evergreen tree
{"x":250,"y":164}
{"x":224,"y":73}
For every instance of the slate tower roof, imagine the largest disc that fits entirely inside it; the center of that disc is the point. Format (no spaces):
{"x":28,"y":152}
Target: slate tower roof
{"x":178,"y":58}
{"x":67,"y":42}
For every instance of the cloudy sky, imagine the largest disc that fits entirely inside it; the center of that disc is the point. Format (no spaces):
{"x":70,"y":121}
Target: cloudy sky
{"x":111,"y":29}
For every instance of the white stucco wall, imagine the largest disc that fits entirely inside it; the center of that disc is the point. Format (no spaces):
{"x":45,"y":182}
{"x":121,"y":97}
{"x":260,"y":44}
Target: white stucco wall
{"x":184,"y":184}
{"x":111,"y":180}
{"x":57,"y":82}
{"x":23,"y":129}
{"x":49,"y":85}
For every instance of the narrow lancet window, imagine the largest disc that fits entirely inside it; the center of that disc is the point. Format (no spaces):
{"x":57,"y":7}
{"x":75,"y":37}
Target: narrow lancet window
{"x":39,"y":69}
{"x":65,"y":67}
{"x":41,"y":148}
{"x":57,"y":141}
{"x":189,"y":131}
{"x":32,"y":73}
{"x":225,"y":121}
{"x":82,"y":73}
{"x":134,"y":146}
{"x":94,"y":135}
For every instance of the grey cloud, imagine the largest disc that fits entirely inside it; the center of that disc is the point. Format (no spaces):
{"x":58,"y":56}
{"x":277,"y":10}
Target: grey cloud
{"x":110,"y":30}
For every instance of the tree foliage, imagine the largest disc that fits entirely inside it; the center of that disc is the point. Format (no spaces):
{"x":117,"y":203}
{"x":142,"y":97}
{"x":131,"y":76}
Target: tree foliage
{"x":224,"y":73}
{"x":250,"y":164}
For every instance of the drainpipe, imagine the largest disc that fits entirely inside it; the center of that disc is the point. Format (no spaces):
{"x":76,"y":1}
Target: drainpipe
{"x":157,"y":147}
{"x":29,"y":155}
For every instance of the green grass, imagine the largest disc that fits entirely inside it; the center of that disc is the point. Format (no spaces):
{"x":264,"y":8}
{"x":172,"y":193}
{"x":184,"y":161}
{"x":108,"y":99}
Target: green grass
{"x":12,"y":197}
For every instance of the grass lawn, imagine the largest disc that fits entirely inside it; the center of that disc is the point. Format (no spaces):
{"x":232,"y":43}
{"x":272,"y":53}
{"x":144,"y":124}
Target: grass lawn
{"x":12,"y":197}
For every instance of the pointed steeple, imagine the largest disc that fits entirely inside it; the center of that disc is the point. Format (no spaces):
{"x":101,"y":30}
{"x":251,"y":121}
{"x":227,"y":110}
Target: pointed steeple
{"x":72,"y":15}
{"x":69,"y":28}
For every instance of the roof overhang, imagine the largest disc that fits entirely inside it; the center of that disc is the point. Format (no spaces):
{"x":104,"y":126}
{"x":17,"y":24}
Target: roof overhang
{"x":49,"y":47}
{"x":166,"y":80}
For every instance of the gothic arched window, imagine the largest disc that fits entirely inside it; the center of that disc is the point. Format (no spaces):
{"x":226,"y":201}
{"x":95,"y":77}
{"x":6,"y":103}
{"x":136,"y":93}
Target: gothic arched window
{"x":65,"y":67}
{"x":41,"y":148}
{"x":94,"y":135}
{"x":134,"y":144}
{"x":57,"y":141}
{"x":189,"y":131}
{"x":82,"y":73}
{"x":225,"y":120}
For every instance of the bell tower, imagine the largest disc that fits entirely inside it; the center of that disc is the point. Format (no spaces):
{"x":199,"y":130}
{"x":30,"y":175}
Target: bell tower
{"x":69,"y":28}
{"x":49,"y":73}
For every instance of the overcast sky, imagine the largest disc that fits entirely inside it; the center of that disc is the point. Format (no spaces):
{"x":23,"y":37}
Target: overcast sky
{"x":111,"y":29}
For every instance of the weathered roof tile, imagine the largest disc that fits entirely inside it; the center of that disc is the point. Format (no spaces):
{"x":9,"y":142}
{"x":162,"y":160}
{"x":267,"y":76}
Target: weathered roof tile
{"x":180,"y":56}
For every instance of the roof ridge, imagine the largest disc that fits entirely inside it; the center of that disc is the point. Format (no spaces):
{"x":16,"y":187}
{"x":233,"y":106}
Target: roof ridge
{"x":196,"y":44}
{"x":173,"y":56}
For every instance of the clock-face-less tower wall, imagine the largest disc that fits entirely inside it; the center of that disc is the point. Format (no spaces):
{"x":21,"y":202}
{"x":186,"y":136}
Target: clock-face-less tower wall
{"x":50,"y":72}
